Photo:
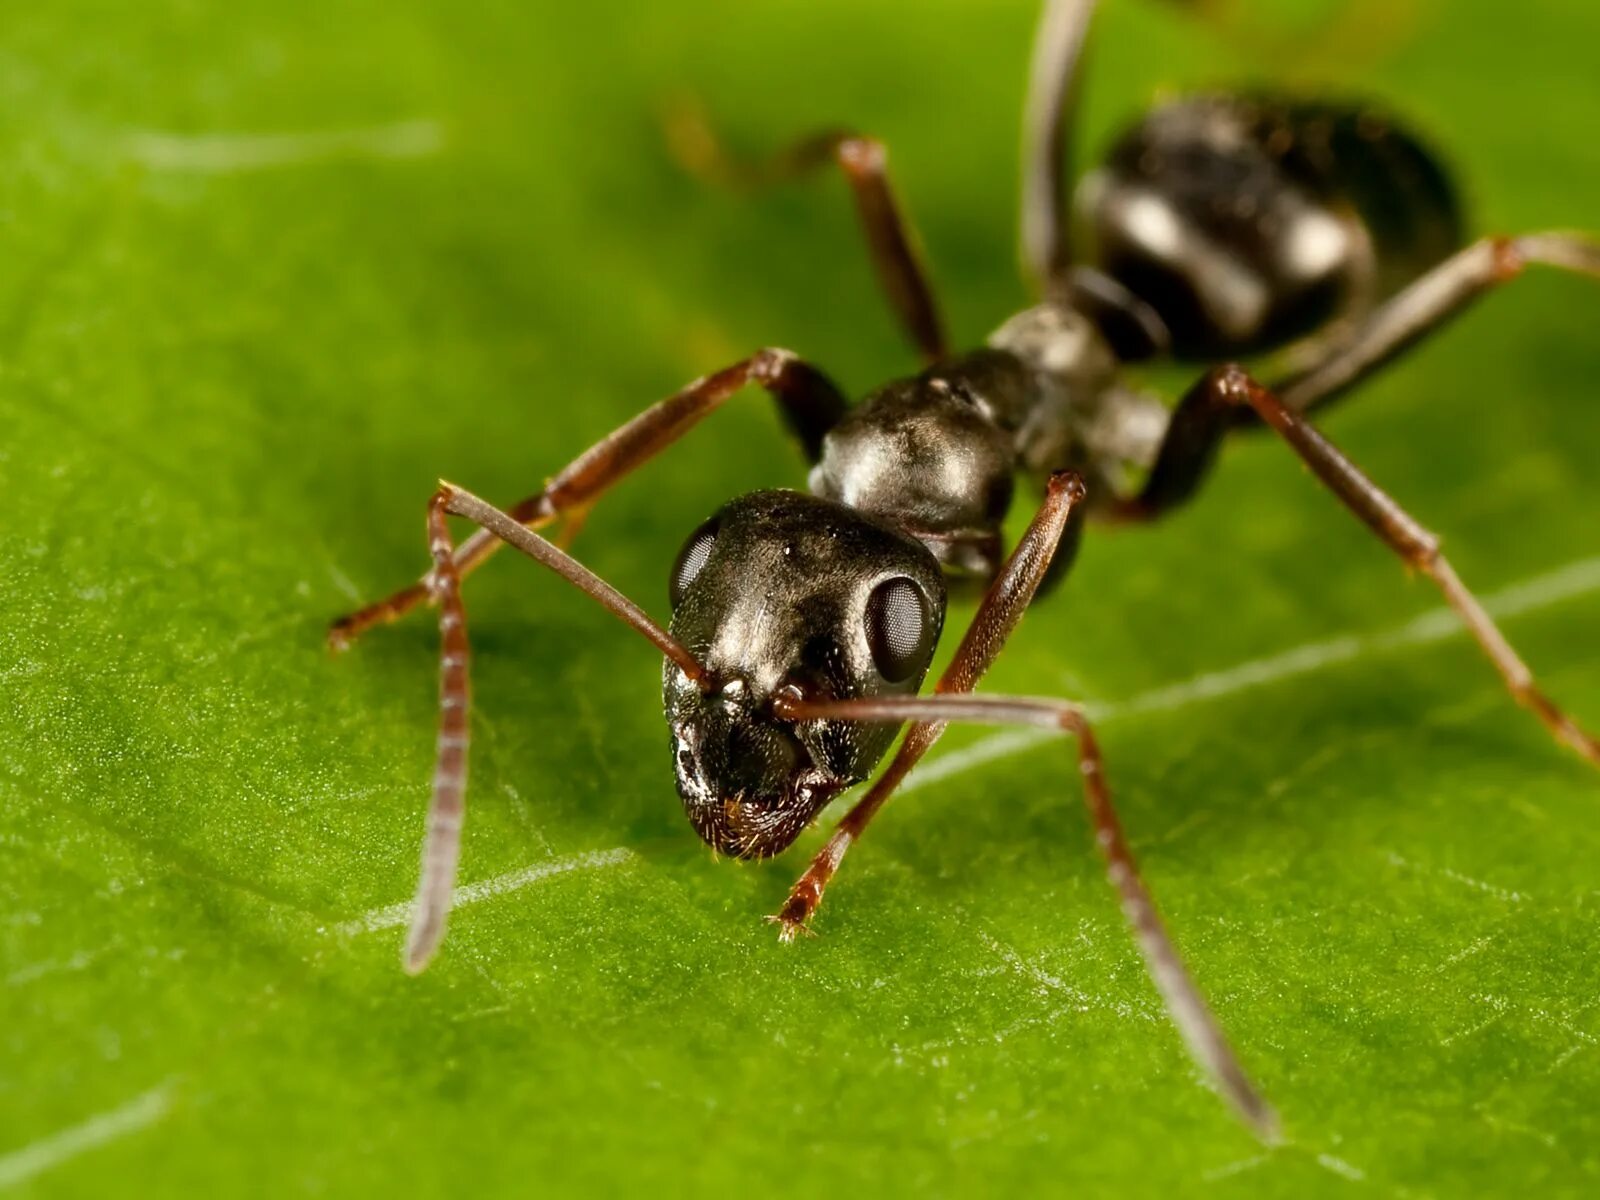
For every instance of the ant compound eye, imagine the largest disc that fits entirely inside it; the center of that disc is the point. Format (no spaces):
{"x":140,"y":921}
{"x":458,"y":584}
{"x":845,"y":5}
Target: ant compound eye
{"x":899,"y":632}
{"x":692,"y":560}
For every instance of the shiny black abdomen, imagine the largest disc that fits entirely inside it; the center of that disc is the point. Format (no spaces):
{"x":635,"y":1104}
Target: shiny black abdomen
{"x":1247,"y":222}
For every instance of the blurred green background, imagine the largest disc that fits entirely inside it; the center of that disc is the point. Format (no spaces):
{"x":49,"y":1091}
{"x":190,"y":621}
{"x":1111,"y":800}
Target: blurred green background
{"x":270,"y":269}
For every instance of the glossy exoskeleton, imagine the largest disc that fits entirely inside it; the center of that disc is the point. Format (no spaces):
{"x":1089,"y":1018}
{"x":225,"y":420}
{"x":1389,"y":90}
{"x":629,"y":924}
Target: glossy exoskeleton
{"x":803,"y":625}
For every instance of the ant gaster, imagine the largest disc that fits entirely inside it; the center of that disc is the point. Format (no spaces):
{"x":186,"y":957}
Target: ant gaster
{"x":802,"y":626}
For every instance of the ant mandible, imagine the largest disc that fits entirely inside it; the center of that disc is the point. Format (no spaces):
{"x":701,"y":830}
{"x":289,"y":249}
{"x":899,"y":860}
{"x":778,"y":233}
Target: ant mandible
{"x":803,"y":625}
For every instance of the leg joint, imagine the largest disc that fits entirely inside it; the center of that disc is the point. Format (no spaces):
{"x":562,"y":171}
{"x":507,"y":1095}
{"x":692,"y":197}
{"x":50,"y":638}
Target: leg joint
{"x":1070,"y":484}
{"x":862,"y":156}
{"x":439,"y":585}
{"x":771,"y":363}
{"x":1422,"y":549}
{"x":1232,"y":385}
{"x":1507,"y":258}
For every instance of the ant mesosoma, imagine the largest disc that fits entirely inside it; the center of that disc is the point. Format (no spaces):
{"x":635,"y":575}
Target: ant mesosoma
{"x":802,"y":625}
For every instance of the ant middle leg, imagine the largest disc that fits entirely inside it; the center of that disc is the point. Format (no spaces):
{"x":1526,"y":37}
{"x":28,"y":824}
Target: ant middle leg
{"x":1191,"y":444}
{"x":892,"y":241}
{"x":1427,"y":305}
{"x":1205,"y":415}
{"x":808,"y":401}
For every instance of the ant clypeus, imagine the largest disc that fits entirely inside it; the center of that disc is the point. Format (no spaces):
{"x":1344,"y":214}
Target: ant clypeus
{"x":802,"y":626}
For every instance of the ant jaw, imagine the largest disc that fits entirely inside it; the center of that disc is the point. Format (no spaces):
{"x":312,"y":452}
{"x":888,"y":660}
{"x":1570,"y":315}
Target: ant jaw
{"x":748,"y":818}
{"x":758,"y":827}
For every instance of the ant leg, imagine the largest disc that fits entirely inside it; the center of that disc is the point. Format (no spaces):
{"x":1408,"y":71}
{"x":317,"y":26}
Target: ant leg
{"x":1198,"y":426}
{"x":1205,"y":415}
{"x":1415,"y":545}
{"x":1185,"y":1004}
{"x":441,"y":847}
{"x":1066,"y":555}
{"x":809,"y":402}
{"x":1007,"y":599}
{"x":1046,"y":144}
{"x":1188,"y":449}
{"x":891,"y":239}
{"x":1428,"y":304}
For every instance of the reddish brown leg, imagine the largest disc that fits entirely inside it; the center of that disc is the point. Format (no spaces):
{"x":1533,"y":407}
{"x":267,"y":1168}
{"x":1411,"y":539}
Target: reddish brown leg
{"x":1007,"y":599}
{"x":1187,"y":1006}
{"x":1430,"y":303}
{"x":1205,"y":416}
{"x":441,"y":847}
{"x":1414,"y":544}
{"x":896,"y":253}
{"x":809,"y":402}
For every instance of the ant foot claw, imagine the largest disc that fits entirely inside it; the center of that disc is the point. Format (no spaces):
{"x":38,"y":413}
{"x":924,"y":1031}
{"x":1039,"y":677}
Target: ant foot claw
{"x":790,"y":928}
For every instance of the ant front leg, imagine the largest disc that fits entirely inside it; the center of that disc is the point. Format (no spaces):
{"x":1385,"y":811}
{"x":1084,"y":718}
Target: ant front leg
{"x":1003,"y":605}
{"x":810,"y":405}
{"x":1400,"y":532}
{"x":891,"y":239}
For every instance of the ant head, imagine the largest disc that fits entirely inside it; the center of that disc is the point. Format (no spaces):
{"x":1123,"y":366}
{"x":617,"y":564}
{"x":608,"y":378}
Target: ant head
{"x":780,"y":590}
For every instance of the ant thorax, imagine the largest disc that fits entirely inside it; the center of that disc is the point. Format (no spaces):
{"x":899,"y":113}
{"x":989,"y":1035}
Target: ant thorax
{"x":934,"y":455}
{"x":937,"y":454}
{"x":1081,"y":414}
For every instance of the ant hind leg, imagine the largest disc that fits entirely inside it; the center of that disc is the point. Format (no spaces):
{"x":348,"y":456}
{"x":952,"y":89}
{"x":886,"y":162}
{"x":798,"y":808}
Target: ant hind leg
{"x":1427,"y":305}
{"x":1206,"y":414}
{"x":1047,"y":122}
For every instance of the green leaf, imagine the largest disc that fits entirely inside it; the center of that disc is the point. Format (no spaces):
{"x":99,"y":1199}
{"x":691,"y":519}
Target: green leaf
{"x":272,"y":269}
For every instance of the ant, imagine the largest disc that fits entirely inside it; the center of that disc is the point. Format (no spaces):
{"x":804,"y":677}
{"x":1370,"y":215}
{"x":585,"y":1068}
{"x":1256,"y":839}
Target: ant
{"x":802,"y":626}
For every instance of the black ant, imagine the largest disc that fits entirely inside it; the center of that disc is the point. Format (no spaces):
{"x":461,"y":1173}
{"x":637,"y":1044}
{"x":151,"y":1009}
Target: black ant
{"x":802,"y":625}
